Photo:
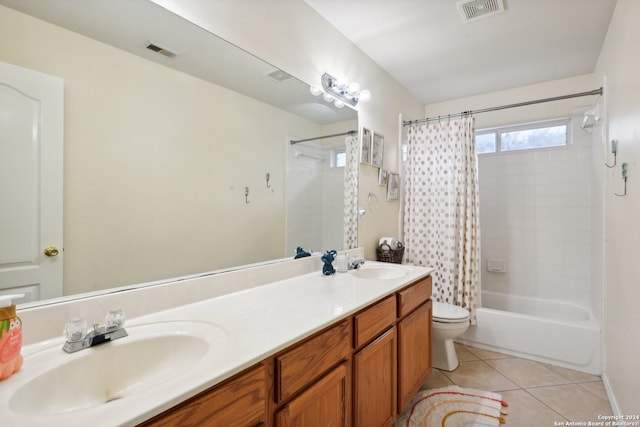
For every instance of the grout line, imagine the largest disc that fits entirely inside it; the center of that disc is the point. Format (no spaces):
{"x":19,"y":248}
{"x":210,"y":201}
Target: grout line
{"x":527,"y":390}
{"x":562,"y":417}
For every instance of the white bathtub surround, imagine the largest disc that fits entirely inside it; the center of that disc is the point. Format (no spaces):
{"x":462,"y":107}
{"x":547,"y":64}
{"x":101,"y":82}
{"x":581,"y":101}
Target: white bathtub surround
{"x":441,"y":209}
{"x":541,"y":214}
{"x":257,"y":316}
{"x":554,"y":332}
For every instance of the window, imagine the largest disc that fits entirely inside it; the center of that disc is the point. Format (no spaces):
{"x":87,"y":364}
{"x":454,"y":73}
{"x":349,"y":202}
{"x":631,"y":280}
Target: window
{"x":486,"y":143}
{"x":523,"y":137}
{"x":338,"y":158}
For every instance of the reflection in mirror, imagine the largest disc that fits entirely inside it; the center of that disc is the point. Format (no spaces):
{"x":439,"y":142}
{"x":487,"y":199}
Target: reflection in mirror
{"x":315,"y":192}
{"x":159,"y":152}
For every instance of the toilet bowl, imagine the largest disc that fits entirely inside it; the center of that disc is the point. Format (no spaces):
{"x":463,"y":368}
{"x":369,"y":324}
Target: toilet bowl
{"x":449,"y":321}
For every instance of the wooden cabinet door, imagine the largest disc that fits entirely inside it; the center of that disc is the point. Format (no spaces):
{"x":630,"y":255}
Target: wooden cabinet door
{"x":414,"y":353}
{"x":375,"y":386}
{"x":326,"y":403}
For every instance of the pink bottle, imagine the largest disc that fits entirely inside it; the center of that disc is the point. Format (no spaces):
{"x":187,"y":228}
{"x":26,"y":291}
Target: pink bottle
{"x":10,"y":337}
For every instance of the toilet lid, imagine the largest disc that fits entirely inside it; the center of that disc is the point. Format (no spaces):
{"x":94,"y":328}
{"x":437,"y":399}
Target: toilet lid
{"x":448,"y":312}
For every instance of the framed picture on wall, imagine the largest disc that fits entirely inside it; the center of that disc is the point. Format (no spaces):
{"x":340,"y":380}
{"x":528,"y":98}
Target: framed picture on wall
{"x":383,"y":176}
{"x":377,"y":147}
{"x":393,"y":187}
{"x":365,"y":146}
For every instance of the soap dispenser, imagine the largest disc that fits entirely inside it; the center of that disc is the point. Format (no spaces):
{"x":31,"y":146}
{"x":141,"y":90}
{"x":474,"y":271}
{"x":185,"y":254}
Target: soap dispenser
{"x":342,"y":263}
{"x":10,"y":337}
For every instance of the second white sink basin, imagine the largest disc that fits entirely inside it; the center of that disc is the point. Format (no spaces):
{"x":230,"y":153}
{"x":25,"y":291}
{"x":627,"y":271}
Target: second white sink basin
{"x":150,"y":356}
{"x":379,"y":272}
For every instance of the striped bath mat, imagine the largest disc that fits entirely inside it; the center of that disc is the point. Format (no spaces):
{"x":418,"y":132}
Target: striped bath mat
{"x":454,"y":406}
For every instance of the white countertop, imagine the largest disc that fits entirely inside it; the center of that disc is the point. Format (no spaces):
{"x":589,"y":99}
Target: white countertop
{"x":256,"y":323}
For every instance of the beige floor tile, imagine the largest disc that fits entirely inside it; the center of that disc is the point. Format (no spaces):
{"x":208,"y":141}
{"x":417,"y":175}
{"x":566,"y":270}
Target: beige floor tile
{"x":527,"y":411}
{"x":479,"y":375}
{"x":463,"y":353}
{"x":436,"y":380}
{"x":572,"y":401}
{"x":573,"y":376}
{"x":597,"y":388}
{"x":526,"y":373}
{"x":487,"y":354}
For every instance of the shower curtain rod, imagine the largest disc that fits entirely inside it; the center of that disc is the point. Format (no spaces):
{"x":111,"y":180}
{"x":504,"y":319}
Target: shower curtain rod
{"x":503,"y":107}
{"x":349,"y":132}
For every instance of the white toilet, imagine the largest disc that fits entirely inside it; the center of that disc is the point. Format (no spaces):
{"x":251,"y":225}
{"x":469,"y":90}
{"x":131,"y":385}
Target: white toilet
{"x":449,"y":321}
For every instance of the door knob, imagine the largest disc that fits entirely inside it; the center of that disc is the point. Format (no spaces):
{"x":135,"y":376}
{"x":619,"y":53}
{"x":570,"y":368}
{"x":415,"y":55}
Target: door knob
{"x":51,"y":251}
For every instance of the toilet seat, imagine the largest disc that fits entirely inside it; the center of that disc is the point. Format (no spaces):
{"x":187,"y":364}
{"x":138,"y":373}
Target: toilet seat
{"x":449,"y":313}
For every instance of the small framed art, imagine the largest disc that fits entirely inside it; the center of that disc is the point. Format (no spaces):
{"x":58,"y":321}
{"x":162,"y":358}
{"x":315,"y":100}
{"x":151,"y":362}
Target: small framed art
{"x":383,"y":176}
{"x":365,"y":146}
{"x":393,"y":187}
{"x":377,"y":150}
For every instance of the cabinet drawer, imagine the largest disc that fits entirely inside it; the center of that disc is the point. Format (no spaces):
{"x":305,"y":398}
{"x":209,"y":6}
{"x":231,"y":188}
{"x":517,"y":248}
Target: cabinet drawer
{"x":411,"y":297}
{"x":374,"y":320}
{"x":306,"y":362}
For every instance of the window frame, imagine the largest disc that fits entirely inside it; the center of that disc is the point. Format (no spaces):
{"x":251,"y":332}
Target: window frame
{"x":499,"y":130}
{"x":335,"y":152}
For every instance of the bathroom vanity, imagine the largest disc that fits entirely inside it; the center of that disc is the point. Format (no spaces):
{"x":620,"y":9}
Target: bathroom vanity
{"x":367,"y":366}
{"x":350,"y":349}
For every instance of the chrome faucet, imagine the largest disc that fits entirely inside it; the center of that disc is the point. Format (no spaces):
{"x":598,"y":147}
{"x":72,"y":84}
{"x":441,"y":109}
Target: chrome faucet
{"x":78,"y":338}
{"x":355,"y":263}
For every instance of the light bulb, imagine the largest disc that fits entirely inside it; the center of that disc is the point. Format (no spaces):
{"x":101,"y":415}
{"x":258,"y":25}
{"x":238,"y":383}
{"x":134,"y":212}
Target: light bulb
{"x":338,"y":103}
{"x":353,"y":88}
{"x":327,"y":97}
{"x":342,"y":81}
{"x":365,"y":96}
{"x":315,"y":91}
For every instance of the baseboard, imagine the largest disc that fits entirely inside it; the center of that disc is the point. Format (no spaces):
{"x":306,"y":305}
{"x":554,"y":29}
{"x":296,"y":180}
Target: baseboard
{"x":612,"y":398}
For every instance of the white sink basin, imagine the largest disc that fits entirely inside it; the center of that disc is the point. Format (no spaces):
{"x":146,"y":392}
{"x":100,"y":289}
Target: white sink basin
{"x":152,"y":355}
{"x":379,"y":272}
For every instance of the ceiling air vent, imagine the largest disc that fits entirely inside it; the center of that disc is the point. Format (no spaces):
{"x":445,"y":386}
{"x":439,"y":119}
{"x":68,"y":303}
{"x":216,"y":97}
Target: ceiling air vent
{"x":278,"y":75}
{"x":470,"y":10}
{"x":161,"y":50}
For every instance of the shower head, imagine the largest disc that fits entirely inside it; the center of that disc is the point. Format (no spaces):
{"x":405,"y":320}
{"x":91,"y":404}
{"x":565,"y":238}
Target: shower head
{"x":591,"y":117}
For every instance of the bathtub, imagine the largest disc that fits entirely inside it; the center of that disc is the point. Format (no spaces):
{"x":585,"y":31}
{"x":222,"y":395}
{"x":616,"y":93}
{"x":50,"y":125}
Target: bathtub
{"x":554,"y":332}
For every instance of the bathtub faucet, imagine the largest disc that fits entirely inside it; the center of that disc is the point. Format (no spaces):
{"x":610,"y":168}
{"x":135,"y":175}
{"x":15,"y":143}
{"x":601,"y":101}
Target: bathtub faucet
{"x":78,"y":338}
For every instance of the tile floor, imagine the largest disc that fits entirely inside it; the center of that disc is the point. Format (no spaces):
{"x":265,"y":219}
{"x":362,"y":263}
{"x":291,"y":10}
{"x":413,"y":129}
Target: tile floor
{"x":538,"y":394}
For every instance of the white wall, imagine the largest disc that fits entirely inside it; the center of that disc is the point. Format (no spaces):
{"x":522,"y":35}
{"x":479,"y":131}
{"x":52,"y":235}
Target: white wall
{"x":620,"y":63}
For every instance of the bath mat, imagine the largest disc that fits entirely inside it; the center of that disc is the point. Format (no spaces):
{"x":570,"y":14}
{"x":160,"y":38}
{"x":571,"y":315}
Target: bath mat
{"x":454,"y":406}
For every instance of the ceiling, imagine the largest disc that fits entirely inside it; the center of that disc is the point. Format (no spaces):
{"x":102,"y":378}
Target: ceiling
{"x":426,"y":46}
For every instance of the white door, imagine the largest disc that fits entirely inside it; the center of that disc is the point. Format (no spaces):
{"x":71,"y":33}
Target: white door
{"x":31,"y":160}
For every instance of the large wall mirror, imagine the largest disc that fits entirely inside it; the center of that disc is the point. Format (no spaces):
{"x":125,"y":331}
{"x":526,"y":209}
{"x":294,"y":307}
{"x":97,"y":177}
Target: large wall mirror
{"x":175,"y":165}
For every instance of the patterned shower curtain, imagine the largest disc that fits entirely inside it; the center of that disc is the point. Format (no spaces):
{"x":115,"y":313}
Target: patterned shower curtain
{"x":441,"y":210}
{"x":351,"y":193}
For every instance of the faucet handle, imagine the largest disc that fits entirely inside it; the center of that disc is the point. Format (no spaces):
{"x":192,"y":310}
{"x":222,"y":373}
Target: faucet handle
{"x":115,"y":319}
{"x":75,"y":329}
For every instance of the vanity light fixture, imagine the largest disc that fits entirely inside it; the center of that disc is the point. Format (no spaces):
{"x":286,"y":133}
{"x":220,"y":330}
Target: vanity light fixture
{"x":340,"y":91}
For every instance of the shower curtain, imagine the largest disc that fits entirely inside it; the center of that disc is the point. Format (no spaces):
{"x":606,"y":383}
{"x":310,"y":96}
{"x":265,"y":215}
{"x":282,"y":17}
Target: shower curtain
{"x":351,"y":193}
{"x":441,"y":210}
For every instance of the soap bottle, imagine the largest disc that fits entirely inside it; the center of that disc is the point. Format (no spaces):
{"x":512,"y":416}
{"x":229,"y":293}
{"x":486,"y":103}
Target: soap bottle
{"x":342,"y":263}
{"x":10,"y":337}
